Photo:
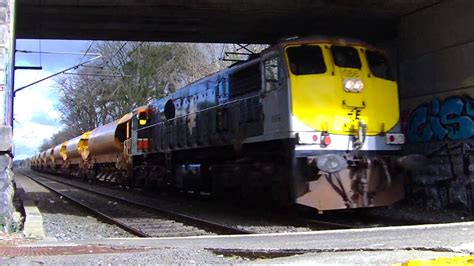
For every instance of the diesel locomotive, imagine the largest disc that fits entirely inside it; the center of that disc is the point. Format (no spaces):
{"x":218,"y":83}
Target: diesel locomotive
{"x":309,"y":121}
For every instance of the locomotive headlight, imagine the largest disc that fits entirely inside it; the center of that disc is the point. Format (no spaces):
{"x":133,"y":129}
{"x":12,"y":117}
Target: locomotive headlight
{"x":349,"y":85}
{"x":353,"y":85}
{"x":358,"y":85}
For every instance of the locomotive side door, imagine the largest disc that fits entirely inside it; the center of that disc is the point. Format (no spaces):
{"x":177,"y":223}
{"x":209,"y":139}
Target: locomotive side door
{"x":274,"y":89}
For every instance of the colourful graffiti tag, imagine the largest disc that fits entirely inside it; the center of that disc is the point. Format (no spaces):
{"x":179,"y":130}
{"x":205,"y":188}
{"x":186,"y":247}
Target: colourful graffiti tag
{"x":451,"y":119}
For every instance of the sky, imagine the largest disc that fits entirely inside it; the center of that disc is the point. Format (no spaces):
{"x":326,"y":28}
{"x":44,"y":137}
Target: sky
{"x":35,"y":113}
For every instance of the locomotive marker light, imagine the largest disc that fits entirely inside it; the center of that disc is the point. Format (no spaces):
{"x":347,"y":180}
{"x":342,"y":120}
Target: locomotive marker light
{"x":353,"y":85}
{"x":395,"y":138}
{"x":307,"y":138}
{"x":325,"y":139}
{"x":142,"y":117}
{"x":331,"y":163}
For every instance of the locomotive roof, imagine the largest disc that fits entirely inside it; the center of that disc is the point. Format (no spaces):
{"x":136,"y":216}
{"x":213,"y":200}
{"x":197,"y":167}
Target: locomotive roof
{"x":280,"y":44}
{"x":296,"y":40}
{"x":322,"y":39}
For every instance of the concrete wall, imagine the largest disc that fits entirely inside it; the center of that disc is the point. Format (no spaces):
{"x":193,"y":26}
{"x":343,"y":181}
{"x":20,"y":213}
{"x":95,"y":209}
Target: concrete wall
{"x":436,"y":64}
{"x":6,"y":174}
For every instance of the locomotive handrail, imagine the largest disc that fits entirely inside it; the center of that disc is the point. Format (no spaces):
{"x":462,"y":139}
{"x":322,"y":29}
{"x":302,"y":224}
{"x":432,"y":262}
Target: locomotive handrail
{"x":200,"y":111}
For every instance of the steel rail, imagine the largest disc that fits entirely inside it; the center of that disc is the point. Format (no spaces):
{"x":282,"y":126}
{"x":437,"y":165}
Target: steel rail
{"x":99,"y":214}
{"x":329,"y":225}
{"x":394,"y":221}
{"x":223,"y":229}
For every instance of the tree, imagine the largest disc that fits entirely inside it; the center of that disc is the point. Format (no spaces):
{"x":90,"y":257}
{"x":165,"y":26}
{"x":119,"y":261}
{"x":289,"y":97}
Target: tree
{"x":130,"y":75}
{"x":58,"y":138}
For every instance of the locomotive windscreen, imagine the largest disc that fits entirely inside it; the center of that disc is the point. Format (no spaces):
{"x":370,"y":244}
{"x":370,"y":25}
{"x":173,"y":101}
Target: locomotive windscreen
{"x":306,"y":59}
{"x":379,"y":65}
{"x":346,"y":56}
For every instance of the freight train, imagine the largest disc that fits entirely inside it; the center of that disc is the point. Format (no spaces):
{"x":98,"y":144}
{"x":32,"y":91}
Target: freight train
{"x":309,"y":121}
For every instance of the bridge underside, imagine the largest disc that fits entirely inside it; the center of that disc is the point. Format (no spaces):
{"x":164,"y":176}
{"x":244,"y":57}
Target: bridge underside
{"x":241,"y":21}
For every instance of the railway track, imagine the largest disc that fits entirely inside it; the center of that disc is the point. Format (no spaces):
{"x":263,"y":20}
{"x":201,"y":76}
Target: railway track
{"x":357,"y":219}
{"x":324,"y":225}
{"x":310,"y":221}
{"x":137,"y":218}
{"x":392,"y":221}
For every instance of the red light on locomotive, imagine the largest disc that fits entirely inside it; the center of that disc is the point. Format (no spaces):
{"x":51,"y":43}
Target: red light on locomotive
{"x":391,"y":138}
{"x":325,"y":140}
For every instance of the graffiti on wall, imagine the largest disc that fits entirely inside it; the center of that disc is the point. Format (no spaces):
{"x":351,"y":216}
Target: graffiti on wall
{"x":450,"y":119}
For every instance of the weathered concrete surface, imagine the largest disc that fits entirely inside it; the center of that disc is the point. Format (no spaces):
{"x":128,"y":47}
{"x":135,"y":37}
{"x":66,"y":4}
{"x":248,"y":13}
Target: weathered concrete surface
{"x":6,"y":58}
{"x":355,"y":246}
{"x":6,"y":137}
{"x":7,"y":190}
{"x":436,"y":48}
{"x":33,"y":225}
{"x":444,"y":237}
{"x":248,"y":21}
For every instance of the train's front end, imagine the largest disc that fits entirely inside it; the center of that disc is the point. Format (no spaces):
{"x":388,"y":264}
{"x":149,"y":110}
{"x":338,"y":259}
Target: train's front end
{"x":344,"y":114}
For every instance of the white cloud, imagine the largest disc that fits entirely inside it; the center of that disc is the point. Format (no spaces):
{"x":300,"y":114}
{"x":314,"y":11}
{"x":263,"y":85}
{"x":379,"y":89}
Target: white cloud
{"x":35,"y":105}
{"x":41,"y":99}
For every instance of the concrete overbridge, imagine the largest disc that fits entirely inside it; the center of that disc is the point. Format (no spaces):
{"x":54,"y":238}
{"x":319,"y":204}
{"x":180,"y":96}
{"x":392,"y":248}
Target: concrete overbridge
{"x":241,"y":21}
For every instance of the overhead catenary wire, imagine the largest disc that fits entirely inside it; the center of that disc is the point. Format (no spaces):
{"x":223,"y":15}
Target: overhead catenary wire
{"x":84,"y":54}
{"x":97,"y":56}
{"x":120,"y":49}
{"x":115,"y":54}
{"x":114,"y":72}
{"x":87,"y":50}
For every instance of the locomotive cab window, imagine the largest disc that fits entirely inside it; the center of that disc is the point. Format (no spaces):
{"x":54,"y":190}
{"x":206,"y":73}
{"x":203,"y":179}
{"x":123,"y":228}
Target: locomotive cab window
{"x":306,"y":59}
{"x":379,"y":65}
{"x":272,"y":74}
{"x":345,"y":56}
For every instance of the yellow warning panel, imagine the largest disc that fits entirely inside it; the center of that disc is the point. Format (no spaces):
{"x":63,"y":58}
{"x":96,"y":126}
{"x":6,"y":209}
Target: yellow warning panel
{"x":456,"y":260}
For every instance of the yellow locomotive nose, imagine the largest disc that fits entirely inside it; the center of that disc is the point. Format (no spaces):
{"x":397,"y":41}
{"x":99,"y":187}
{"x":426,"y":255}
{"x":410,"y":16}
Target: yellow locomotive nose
{"x":341,"y":86}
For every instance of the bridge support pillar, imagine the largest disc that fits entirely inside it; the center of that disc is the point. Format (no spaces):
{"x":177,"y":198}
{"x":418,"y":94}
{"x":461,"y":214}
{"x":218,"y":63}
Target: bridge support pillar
{"x":6,"y":177}
{"x":6,"y":110}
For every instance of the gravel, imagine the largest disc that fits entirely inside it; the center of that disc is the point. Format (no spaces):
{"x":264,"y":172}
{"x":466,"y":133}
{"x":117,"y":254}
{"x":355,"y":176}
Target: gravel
{"x":63,"y":220}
